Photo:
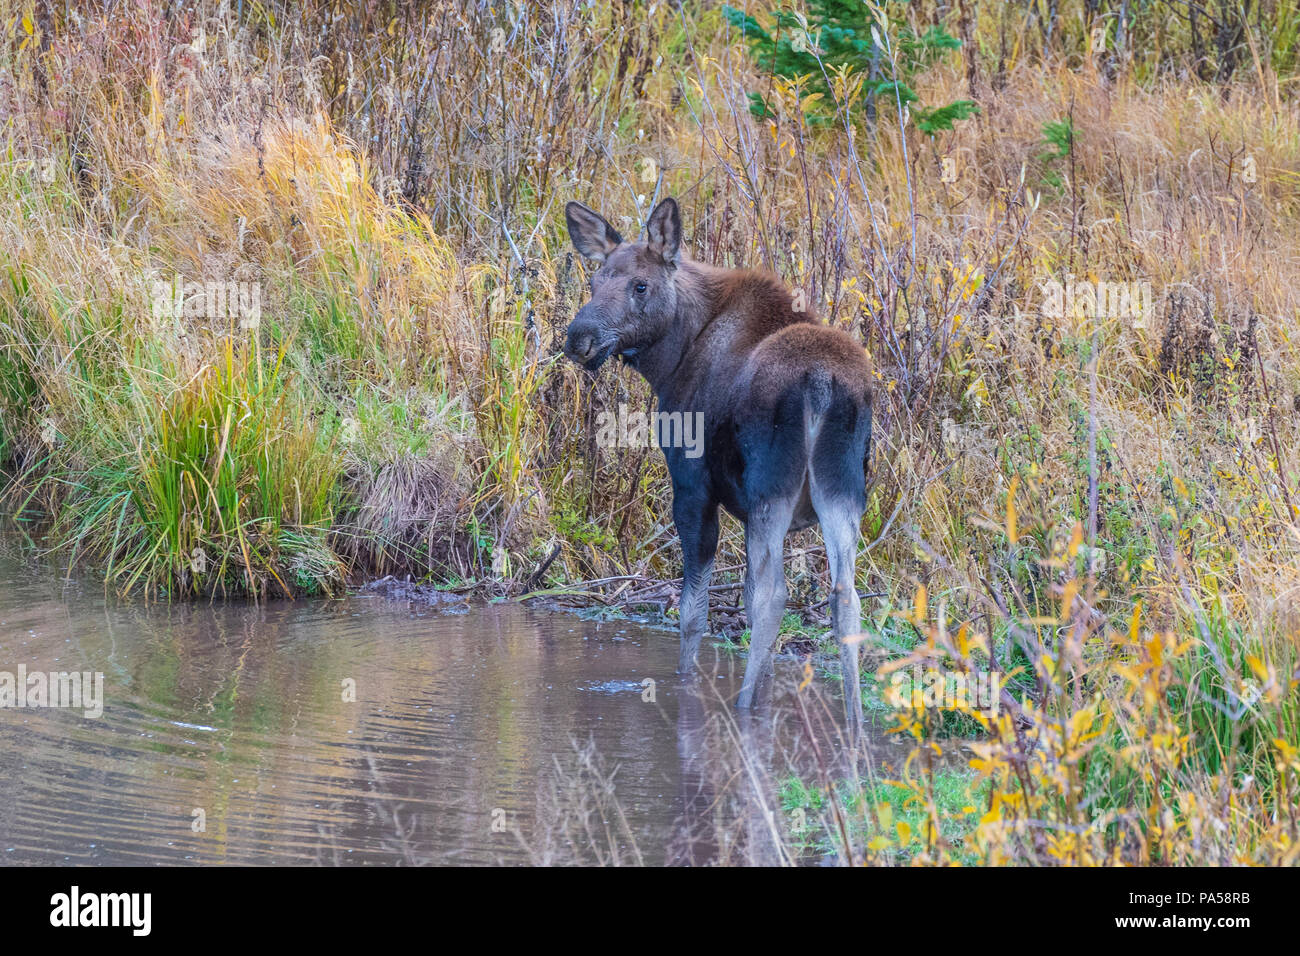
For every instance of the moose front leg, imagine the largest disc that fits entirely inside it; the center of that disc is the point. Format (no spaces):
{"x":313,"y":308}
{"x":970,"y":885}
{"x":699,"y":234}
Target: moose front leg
{"x":697,"y":528}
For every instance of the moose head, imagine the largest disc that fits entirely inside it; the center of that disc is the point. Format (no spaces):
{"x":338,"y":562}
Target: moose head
{"x":633,"y":293}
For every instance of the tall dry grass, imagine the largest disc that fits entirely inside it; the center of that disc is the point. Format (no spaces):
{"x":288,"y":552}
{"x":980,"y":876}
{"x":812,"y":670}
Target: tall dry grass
{"x":1109,"y":504}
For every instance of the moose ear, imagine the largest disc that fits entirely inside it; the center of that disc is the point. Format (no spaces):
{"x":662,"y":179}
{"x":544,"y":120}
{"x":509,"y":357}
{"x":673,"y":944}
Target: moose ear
{"x":591,"y":234}
{"x":664,"y":231}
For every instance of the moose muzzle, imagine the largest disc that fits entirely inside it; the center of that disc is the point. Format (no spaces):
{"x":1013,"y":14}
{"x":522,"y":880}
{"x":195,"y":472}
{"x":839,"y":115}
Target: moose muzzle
{"x":586,"y":341}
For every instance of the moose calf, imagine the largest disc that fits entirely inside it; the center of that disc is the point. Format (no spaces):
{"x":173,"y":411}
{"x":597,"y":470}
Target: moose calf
{"x":786,"y":404}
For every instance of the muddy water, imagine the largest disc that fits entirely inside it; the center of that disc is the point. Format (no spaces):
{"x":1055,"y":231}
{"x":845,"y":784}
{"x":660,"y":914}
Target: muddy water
{"x":226,"y":736}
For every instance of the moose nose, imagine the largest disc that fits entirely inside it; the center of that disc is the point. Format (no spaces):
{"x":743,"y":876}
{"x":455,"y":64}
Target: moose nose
{"x":580,"y":342}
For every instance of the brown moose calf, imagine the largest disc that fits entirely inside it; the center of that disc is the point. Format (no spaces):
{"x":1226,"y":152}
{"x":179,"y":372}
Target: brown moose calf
{"x":786,"y":405}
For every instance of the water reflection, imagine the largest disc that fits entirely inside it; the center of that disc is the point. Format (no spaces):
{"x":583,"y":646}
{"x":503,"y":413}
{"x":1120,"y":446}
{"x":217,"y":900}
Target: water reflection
{"x":228,"y":734}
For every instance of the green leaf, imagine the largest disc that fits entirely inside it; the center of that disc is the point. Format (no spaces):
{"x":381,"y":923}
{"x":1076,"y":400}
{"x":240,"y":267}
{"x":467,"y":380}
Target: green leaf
{"x":895,"y":90}
{"x":758,"y":107}
{"x":941,"y":118}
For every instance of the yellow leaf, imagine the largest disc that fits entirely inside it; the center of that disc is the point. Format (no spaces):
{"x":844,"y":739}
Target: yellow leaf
{"x":1156,"y":648}
{"x":1134,"y":621}
{"x":1067,"y":597}
{"x":919,"y":607}
{"x":1076,"y":538}
{"x":1049,"y":666}
{"x":904,"y":833}
{"x":27,"y":25}
{"x":1257,"y":666}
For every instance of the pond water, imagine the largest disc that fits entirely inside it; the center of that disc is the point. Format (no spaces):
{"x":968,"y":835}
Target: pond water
{"x":228,"y":734}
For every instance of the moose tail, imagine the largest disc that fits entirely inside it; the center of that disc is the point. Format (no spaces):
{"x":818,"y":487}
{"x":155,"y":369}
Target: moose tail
{"x":818,"y":391}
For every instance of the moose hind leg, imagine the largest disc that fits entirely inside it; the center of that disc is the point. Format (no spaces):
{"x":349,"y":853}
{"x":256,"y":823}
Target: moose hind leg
{"x":765,"y":590}
{"x":840,"y":521}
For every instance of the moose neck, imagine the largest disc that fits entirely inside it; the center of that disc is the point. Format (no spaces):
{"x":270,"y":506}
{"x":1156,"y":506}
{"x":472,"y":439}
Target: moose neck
{"x":666,"y":363}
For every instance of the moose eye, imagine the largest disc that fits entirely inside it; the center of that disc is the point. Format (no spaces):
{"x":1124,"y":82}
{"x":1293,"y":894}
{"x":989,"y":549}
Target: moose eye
{"x":639,"y":288}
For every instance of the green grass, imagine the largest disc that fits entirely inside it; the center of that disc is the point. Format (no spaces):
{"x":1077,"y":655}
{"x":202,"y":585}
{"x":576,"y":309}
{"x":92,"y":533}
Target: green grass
{"x":890,"y":812}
